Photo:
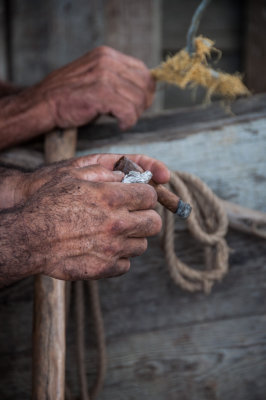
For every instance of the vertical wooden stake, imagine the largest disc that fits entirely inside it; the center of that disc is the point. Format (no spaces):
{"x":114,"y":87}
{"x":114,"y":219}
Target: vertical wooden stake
{"x":49,"y":303}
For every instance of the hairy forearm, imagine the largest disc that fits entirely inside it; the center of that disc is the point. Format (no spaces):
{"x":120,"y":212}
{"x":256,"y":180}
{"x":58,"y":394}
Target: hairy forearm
{"x":23,"y":116}
{"x":14,"y":255}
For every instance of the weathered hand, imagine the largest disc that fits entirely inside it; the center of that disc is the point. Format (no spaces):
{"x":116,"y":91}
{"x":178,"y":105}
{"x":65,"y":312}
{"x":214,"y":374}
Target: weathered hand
{"x":81,"y":168}
{"x":77,"y":229}
{"x":103,"y":81}
{"x":76,"y":220}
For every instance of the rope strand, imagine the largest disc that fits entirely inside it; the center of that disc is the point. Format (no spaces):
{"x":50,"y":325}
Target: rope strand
{"x":208,"y":224}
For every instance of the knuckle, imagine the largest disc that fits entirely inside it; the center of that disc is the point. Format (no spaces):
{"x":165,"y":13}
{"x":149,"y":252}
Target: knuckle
{"x":157,"y":220}
{"x":126,"y":121}
{"x":152,"y":196}
{"x":126,"y":266}
{"x":103,"y":50}
{"x":109,"y":268}
{"x":142,"y":102}
{"x":118,"y":226}
{"x":142,"y":65}
{"x":153,"y":223}
{"x":102,"y":61}
{"x":71,"y":273}
{"x":144,"y":245}
{"x":129,"y":113}
{"x":112,"y":249}
{"x":103,"y":75}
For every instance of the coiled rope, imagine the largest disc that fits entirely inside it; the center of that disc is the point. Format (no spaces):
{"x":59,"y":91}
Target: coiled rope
{"x":208,"y":224}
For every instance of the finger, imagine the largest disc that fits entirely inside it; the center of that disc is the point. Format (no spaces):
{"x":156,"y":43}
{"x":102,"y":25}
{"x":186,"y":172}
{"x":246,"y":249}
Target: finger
{"x":132,"y":196}
{"x":127,"y":116}
{"x":129,"y":91}
{"x":113,"y":269}
{"x":109,"y":101}
{"x":143,"y":224}
{"x":97,"y":173}
{"x":161,"y":173}
{"x":129,"y":61}
{"x":122,"y":108}
{"x":134,"y":247}
{"x":105,"y":68}
{"x":137,"y":88}
{"x":83,"y":267}
{"x":122,"y":266}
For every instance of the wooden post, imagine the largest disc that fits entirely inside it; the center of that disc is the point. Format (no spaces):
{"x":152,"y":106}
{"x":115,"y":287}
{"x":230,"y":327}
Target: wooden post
{"x":255,"y":51}
{"x":49,"y":303}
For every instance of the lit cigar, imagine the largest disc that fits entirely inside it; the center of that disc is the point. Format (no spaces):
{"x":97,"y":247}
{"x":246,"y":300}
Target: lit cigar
{"x":165,"y":197}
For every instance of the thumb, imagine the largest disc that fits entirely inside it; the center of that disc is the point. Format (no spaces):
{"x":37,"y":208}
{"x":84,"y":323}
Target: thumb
{"x":97,"y":173}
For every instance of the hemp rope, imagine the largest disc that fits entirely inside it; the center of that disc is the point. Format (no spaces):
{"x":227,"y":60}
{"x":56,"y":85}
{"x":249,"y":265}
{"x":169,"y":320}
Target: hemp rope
{"x":208,"y":224}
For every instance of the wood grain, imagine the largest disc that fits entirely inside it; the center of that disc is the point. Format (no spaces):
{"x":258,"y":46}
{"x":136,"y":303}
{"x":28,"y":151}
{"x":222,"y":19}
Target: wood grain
{"x":134,"y":28}
{"x":49,"y":342}
{"x":255,"y":55}
{"x":48,"y":34}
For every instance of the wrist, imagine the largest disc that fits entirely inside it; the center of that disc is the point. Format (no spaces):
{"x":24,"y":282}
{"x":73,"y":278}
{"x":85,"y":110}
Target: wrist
{"x":37,"y":107}
{"x":16,"y":261}
{"x":11,"y":187}
{"x":24,"y":116}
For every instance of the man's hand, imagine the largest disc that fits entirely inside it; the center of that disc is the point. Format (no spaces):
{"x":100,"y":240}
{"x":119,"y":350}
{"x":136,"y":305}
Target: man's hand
{"x":76,"y":229}
{"x":18,"y":187}
{"x":103,"y":81}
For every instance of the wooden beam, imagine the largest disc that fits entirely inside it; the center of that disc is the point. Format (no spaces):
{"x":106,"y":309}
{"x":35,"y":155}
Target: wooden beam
{"x":255,"y":55}
{"x":49,"y":303}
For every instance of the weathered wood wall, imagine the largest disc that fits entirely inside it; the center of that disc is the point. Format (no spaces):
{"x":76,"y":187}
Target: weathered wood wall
{"x":43,"y":35}
{"x":255,"y":54}
{"x":162,"y":342}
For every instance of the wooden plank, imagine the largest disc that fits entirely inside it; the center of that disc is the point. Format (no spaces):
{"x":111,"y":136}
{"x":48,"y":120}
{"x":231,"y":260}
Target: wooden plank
{"x":49,"y":328}
{"x":227,"y":348}
{"x":255,"y":51}
{"x":134,"y":28}
{"x":178,"y":123}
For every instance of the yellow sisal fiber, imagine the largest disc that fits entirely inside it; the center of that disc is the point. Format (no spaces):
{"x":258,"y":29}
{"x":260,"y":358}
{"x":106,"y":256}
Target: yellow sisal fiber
{"x":184,"y":71}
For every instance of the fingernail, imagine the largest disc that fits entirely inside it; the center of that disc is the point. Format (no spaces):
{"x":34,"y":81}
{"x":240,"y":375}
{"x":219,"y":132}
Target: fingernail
{"x":118,"y":172}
